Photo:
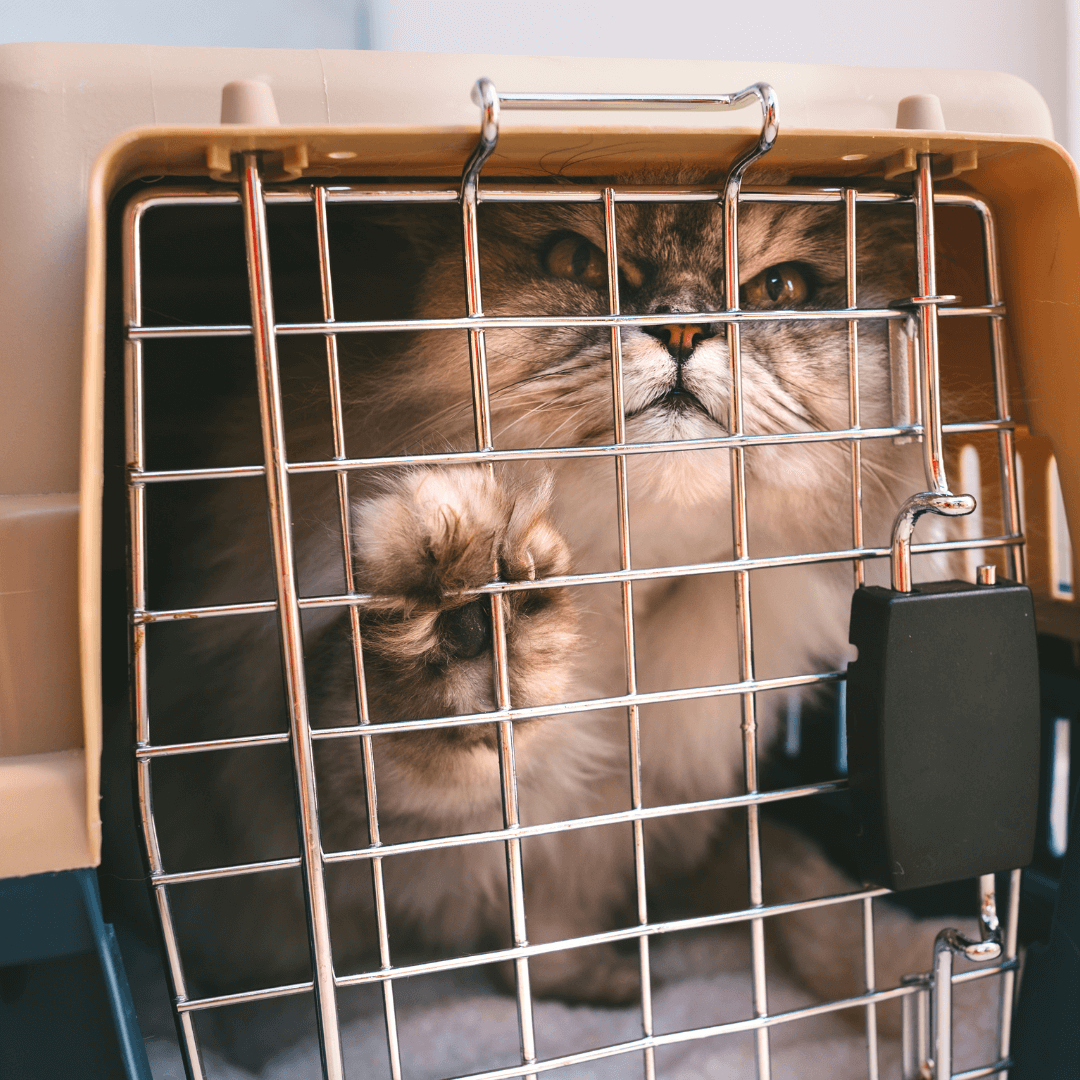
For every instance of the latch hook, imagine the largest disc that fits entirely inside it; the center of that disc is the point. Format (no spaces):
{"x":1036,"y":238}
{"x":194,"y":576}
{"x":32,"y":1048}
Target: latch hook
{"x":939,"y":500}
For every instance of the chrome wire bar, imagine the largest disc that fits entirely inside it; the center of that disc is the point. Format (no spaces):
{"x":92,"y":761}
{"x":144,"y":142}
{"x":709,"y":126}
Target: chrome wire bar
{"x":184,"y":877}
{"x":524,"y":322}
{"x":870,"y":978}
{"x":536,"y":712}
{"x":478,"y":457}
{"x":1010,"y":496}
{"x":596,"y":578}
{"x":851,"y":265}
{"x":651,"y":102}
{"x":620,"y":701}
{"x":482,"y":959}
{"x":633,"y":712}
{"x":436,"y":191}
{"x":485,"y":96}
{"x":1016,"y":568}
{"x":337,"y":418}
{"x":505,"y":190}
{"x":291,"y":631}
{"x":740,"y":550}
{"x":135,"y":447}
{"x":454,"y":840}
{"x":650,"y":574}
{"x":1008,"y":977}
{"x":854,"y":408}
{"x":915,"y":1028}
{"x":927,"y":315}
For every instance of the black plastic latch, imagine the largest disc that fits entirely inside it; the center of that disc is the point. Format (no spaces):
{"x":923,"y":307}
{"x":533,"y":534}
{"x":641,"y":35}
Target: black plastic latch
{"x":943,"y":731}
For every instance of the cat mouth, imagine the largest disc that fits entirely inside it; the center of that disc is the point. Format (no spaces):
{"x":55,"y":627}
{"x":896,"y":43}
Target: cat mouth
{"x":677,"y":400}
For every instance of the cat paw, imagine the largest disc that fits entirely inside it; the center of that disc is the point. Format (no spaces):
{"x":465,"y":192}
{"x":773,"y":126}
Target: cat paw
{"x":427,"y":540}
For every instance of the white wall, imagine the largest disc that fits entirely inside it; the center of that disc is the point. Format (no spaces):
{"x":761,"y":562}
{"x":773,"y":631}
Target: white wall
{"x":1035,"y":39}
{"x":299,"y":24}
{"x":1070,"y":134}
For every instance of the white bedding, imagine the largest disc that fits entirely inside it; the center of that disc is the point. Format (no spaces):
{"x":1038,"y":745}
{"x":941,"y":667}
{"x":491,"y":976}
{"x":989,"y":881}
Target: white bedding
{"x":455,"y":1024}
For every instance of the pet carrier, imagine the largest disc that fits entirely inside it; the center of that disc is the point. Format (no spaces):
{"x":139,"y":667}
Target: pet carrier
{"x":330,"y":134}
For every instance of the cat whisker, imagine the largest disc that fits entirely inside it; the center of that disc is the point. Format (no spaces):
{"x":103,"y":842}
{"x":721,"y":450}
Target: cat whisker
{"x":547,"y":440}
{"x":542,"y":406}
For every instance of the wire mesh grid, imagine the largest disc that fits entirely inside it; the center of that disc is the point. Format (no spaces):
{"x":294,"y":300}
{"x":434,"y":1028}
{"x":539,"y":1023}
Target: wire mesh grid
{"x":289,"y":604}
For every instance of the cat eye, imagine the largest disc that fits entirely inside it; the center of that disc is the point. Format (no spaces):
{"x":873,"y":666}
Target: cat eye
{"x":577,"y":259}
{"x":782,"y":285}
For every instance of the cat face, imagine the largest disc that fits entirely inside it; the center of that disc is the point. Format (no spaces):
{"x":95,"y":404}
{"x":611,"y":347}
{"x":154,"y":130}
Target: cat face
{"x":552,"y":386}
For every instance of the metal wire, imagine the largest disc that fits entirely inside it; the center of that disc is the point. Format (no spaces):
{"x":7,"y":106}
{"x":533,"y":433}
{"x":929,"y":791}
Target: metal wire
{"x":741,"y":565}
{"x":927,"y":314}
{"x":851,"y":264}
{"x":870,"y":977}
{"x":501,"y":190}
{"x":1016,"y":566}
{"x":337,"y":420}
{"x":854,"y":412}
{"x":476,"y":457}
{"x":524,"y":322}
{"x":633,"y":713}
{"x":134,"y":404}
{"x":619,"y":701}
{"x":743,"y":616}
{"x":597,"y":578}
{"x":291,"y":633}
{"x":1010,"y":496}
{"x":499,"y":661}
{"x":482,"y":959}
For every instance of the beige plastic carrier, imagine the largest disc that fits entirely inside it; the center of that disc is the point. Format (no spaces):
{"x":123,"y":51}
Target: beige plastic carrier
{"x":80,"y":122}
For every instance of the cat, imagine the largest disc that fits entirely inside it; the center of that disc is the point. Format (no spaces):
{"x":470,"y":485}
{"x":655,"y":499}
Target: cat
{"x":424,"y":534}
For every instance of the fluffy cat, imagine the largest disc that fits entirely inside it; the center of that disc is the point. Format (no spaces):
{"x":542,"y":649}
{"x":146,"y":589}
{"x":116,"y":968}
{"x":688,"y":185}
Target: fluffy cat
{"x":421,"y":535}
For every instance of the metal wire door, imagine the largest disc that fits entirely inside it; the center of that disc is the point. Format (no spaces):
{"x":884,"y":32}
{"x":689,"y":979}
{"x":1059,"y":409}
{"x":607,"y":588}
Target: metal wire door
{"x":279,"y":471}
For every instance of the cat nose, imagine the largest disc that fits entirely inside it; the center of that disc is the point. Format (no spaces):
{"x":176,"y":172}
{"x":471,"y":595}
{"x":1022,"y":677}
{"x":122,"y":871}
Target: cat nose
{"x":681,"y":339}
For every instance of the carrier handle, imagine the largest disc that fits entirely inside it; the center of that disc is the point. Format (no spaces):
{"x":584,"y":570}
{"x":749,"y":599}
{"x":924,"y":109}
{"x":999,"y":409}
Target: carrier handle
{"x":491,"y":102}
{"x":763,"y":92}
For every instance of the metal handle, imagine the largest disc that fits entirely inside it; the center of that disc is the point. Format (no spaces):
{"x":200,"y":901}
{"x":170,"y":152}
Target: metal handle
{"x":670,"y":102}
{"x":491,"y":102}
